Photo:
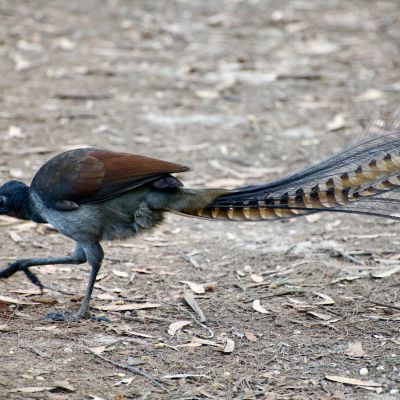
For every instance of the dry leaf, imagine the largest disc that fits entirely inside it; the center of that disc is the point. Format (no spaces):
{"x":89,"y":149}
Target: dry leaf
{"x":15,"y":132}
{"x":190,"y":344}
{"x":327,"y":299}
{"x":268,"y":375}
{"x":258,"y":307}
{"x":27,"y":292}
{"x":190,"y":300}
{"x":98,"y":350}
{"x":76,"y":297}
{"x":31,"y":389}
{"x":105,"y":296}
{"x":312,"y":218}
{"x":229,"y":346}
{"x":349,"y":278}
{"x":142,"y":270}
{"x":176,"y":326}
{"x":256,"y":278}
{"x":250,"y":336}
{"x":15,"y":237}
{"x":119,"y":273}
{"x":16,"y":173}
{"x":64,"y":385}
{"x":45,"y":300}
{"x":355,"y":350}
{"x":352,"y":381}
{"x":207,"y":94}
{"x":64,"y":43}
{"x":138,"y":334}
{"x":206,"y":342}
{"x":5,"y":328}
{"x":300,"y":305}
{"x":11,"y":300}
{"x":386,"y":273}
{"x":45,"y":328}
{"x":197,"y":288}
{"x":370,"y":95}
{"x":128,"y":306}
{"x":126,"y":381}
{"x":337,"y":123}
{"x":323,"y":316}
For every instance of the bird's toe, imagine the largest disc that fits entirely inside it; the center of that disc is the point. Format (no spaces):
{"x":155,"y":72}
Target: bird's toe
{"x":57,"y":316}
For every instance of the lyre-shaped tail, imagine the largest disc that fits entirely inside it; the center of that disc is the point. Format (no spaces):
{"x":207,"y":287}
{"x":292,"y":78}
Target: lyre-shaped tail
{"x":357,"y":180}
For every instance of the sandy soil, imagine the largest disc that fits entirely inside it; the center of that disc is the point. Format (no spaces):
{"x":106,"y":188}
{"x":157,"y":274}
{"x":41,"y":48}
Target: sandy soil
{"x":242,"y":91}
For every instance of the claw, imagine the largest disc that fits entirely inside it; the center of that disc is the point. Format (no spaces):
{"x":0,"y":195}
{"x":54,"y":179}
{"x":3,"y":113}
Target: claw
{"x":58,"y":316}
{"x":33,"y":278}
{"x":15,"y":267}
{"x":10,"y":270}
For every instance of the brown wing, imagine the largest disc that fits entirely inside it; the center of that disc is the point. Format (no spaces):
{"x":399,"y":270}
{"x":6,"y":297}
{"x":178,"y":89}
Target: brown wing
{"x":84,"y":176}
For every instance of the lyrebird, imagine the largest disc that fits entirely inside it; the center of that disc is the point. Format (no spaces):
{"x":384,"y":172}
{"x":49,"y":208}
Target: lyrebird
{"x":92,"y":195}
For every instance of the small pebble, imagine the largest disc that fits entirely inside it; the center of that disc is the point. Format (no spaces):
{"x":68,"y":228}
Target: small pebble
{"x":364,"y":371}
{"x":247,"y":268}
{"x":380,"y":368}
{"x":394,"y":391}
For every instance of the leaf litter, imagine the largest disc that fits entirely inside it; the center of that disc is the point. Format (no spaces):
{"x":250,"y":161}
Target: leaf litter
{"x":291,"y":368}
{"x":259,"y":308}
{"x":174,"y":327}
{"x":355,"y":350}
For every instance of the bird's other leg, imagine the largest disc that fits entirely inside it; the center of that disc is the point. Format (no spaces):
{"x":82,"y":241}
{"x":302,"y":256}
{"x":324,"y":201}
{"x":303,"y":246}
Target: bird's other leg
{"x":78,"y":256}
{"x":94,"y":255}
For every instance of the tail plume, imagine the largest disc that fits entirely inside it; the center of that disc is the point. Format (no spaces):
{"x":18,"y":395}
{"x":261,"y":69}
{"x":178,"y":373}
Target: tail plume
{"x":364,"y":179}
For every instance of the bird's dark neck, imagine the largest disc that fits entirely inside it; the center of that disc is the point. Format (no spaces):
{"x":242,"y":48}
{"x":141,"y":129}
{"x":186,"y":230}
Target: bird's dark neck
{"x":23,"y":207}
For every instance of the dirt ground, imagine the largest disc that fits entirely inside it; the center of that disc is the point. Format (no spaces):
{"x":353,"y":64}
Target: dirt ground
{"x":243,"y":92}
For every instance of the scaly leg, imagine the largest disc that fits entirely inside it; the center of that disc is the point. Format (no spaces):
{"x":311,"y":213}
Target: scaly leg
{"x":94,"y":254}
{"x":77,"y":257}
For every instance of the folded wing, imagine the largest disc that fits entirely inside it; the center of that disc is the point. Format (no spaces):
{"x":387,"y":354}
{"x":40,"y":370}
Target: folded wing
{"x":87,"y":176}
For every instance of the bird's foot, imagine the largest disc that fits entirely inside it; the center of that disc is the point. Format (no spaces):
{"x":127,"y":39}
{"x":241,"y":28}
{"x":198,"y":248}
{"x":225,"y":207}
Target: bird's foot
{"x":20,"y":266}
{"x":58,"y":316}
{"x":33,"y":278}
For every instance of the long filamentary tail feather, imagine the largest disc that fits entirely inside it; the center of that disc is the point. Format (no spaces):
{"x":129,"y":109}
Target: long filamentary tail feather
{"x":359,"y":180}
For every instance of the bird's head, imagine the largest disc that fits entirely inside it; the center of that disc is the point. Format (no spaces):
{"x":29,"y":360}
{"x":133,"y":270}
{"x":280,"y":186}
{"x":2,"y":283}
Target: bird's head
{"x":14,"y":199}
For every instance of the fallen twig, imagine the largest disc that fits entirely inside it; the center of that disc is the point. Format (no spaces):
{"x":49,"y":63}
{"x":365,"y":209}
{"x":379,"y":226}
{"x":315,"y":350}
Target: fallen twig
{"x":384,"y":305}
{"x":190,"y":260}
{"x":67,"y":96}
{"x":190,"y":300}
{"x":211,"y":333}
{"x":134,"y":370}
{"x":346,"y":256}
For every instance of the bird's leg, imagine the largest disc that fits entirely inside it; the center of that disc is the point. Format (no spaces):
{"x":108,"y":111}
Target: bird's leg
{"x":94,"y":254}
{"x":84,"y":309}
{"x":77,"y":257}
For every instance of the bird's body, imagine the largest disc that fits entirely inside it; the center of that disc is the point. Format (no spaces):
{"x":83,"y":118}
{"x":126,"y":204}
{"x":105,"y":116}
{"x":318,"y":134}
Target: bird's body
{"x":119,"y":218}
{"x":92,"y":195}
